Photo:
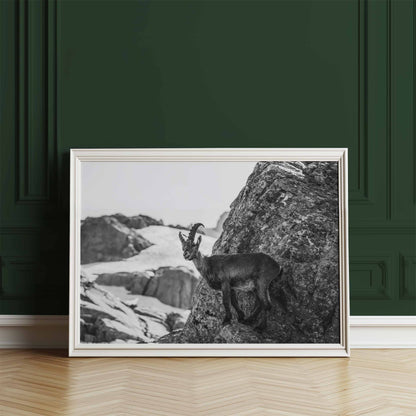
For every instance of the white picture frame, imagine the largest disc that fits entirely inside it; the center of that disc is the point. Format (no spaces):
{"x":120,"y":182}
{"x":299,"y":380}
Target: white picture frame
{"x":80,"y":156}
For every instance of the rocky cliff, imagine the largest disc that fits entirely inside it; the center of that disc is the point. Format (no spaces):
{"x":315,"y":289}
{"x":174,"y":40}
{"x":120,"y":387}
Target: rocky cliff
{"x":137,"y":221}
{"x":173,"y":286}
{"x":134,"y":282}
{"x":107,"y":239}
{"x":288,"y":210}
{"x":105,"y":318}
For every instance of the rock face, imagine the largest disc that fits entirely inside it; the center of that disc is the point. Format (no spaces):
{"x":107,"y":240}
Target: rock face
{"x":288,"y":210}
{"x":134,"y":282}
{"x":175,"y":321}
{"x":107,"y":239}
{"x":173,"y":286}
{"x":105,"y":318}
{"x":137,"y":221}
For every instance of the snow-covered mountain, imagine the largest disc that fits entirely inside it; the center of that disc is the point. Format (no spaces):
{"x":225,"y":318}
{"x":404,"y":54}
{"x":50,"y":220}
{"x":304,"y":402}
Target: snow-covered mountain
{"x":166,"y":251}
{"x":150,"y":292}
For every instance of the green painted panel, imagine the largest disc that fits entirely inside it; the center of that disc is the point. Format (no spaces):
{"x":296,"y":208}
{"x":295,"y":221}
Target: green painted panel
{"x":133,"y":73}
{"x":209,"y":73}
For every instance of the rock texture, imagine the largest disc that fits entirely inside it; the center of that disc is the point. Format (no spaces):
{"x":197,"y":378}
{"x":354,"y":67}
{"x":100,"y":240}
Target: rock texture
{"x":175,"y":321}
{"x":105,"y":318}
{"x":137,"y":221}
{"x":135,"y":282}
{"x":107,"y":239}
{"x":288,"y":210}
{"x":173,"y":286}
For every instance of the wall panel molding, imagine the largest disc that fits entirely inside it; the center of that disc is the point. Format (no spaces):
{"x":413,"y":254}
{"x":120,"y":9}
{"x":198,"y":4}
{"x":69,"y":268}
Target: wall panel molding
{"x":372,"y":198}
{"x":402,"y":106}
{"x":407,"y":279}
{"x":36,"y":101}
{"x":373,"y":278}
{"x":389,"y":158}
{"x":359,"y":190}
{"x":17,"y":277}
{"x":383,"y":229}
{"x":413,"y":107}
{"x":23,"y":230}
{"x":385,"y":222}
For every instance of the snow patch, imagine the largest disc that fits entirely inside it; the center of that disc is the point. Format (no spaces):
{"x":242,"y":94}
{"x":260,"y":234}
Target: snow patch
{"x":166,"y":252}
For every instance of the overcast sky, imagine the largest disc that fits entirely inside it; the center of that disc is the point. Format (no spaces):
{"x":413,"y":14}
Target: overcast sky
{"x":176,"y":192}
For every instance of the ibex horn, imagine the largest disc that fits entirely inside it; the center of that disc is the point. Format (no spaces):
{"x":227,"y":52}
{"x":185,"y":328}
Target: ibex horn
{"x":194,"y":228}
{"x":181,"y":237}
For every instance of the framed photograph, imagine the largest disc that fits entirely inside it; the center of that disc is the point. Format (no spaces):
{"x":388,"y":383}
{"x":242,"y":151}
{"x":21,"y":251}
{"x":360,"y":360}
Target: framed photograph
{"x":209,"y":252}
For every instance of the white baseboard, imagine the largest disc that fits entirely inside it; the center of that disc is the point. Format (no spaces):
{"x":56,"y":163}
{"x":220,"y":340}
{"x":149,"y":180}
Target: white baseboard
{"x":383,"y":331}
{"x":51,"y":331}
{"x":33,"y":331}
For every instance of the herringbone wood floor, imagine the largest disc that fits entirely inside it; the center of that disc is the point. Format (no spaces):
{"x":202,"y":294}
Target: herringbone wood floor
{"x":372,"y":382}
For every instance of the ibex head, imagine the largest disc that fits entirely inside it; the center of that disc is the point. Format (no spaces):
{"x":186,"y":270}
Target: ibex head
{"x":189,"y":247}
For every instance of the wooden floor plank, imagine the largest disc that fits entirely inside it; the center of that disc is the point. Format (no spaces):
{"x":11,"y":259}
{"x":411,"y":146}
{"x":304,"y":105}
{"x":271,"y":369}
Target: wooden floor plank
{"x":371,"y":382}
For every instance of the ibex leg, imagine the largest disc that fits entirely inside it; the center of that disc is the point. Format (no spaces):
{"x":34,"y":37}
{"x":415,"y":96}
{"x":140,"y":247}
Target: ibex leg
{"x":226,"y":302}
{"x":234,"y":302}
{"x":257,"y":309}
{"x":263,"y":293}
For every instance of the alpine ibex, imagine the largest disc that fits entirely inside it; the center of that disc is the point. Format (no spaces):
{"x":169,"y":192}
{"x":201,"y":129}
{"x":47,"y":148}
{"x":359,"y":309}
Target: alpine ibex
{"x":228,"y":273}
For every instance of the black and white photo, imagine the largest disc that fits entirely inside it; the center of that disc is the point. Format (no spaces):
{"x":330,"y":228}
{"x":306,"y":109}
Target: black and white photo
{"x":209,"y":252}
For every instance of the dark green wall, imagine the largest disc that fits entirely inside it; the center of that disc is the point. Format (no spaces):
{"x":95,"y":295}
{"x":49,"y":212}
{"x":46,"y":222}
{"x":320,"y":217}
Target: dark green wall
{"x":207,"y":74}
